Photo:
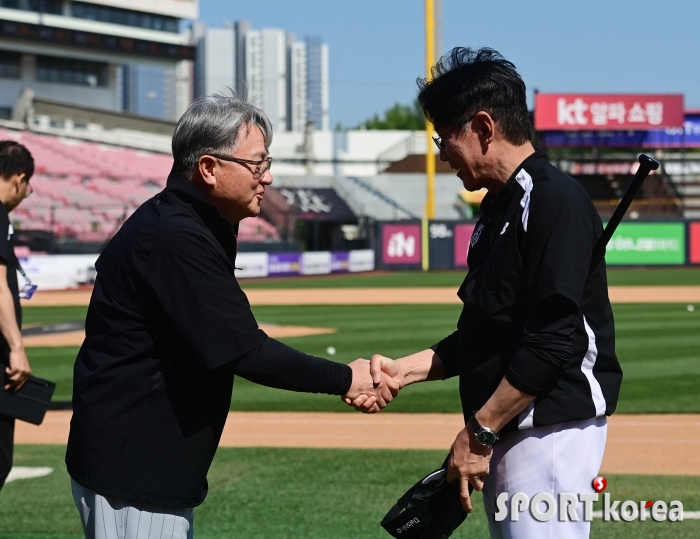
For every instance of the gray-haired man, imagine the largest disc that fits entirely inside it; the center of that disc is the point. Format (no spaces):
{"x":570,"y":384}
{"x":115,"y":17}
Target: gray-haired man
{"x":167,"y":329}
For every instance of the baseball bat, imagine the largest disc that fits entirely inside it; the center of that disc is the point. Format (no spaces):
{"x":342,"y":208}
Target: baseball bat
{"x":646,"y":165}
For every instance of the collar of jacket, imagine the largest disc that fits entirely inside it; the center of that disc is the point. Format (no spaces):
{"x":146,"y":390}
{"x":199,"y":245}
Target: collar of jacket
{"x":493,"y":202}
{"x":179,"y":186}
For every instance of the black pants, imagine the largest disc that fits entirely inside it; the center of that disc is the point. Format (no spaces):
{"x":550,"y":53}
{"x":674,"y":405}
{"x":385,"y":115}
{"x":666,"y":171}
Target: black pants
{"x":7,"y":435}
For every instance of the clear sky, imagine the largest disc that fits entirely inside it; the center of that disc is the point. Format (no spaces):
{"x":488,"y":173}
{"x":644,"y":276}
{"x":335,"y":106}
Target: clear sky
{"x":377,"y":46}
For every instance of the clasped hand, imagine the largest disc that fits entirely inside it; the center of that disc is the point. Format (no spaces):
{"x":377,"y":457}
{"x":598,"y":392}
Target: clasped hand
{"x":375,"y":383}
{"x":468,"y":463}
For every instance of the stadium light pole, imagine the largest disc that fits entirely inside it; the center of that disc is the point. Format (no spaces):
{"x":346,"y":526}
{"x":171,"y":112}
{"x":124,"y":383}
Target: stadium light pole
{"x":429,"y":212}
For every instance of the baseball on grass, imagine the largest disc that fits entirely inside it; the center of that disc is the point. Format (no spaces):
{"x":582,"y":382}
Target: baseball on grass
{"x":691,"y":308}
{"x":330,"y":350}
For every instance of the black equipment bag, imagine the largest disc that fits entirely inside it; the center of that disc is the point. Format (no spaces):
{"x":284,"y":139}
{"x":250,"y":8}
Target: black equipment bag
{"x":30,"y":402}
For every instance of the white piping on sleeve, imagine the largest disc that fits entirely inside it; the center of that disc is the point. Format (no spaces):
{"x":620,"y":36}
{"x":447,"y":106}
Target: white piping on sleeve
{"x":525,"y":181}
{"x":587,"y":368}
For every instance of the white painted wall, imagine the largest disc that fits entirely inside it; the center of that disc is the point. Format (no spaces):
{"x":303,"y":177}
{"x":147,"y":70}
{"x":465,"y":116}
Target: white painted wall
{"x":58,"y":272}
{"x":183,"y":9}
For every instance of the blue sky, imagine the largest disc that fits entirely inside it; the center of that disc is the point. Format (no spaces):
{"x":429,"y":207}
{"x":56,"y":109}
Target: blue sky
{"x":377,"y":46}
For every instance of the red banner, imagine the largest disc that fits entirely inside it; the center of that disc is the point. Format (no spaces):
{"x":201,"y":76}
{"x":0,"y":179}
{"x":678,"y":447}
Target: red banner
{"x":463,"y":235}
{"x":600,"y":112}
{"x":694,"y":243}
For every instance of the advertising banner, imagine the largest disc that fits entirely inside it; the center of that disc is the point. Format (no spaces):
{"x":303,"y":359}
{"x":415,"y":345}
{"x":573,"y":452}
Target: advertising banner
{"x":441,"y":246}
{"x":581,"y":112}
{"x":463,"y":235}
{"x":361,"y":260}
{"x":647,"y":243}
{"x":340,"y":262}
{"x":320,"y":204}
{"x":316,"y":263}
{"x":58,"y":272}
{"x":673,"y":137}
{"x":284,"y":264}
{"x":251,"y":265}
{"x":401,"y":244}
{"x":694,"y":257}
{"x":686,"y":137}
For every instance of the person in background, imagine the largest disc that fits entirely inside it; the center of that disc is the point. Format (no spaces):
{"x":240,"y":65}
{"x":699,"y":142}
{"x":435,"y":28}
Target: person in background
{"x":16,"y":168}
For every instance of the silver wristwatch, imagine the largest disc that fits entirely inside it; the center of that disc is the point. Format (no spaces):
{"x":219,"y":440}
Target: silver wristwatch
{"x":484,"y":435}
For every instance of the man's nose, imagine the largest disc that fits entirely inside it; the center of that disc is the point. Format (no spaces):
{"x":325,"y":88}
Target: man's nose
{"x":443,"y":155}
{"x":266,"y":178}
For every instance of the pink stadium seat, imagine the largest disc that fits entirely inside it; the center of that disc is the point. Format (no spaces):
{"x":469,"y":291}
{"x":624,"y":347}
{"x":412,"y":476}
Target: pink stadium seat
{"x":85,"y":190}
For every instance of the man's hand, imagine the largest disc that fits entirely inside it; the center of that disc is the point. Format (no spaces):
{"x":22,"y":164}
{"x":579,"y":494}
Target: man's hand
{"x":419,"y":367}
{"x":381,"y":364}
{"x":383,"y":371}
{"x":368,"y":393}
{"x":468,"y":463}
{"x":18,"y":372}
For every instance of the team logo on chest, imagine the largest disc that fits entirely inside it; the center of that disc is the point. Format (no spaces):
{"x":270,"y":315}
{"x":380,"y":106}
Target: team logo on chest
{"x":476,"y":235}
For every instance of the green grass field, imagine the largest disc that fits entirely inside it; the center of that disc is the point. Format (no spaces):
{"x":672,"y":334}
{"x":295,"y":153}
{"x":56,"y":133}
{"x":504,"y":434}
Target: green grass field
{"x":658,"y":346}
{"x":319,"y":493}
{"x":310,"y":493}
{"x":408,"y":279}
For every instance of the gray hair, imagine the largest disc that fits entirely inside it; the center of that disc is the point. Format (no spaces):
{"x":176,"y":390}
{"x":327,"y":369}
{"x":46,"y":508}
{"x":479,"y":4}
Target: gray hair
{"x":213,"y":124}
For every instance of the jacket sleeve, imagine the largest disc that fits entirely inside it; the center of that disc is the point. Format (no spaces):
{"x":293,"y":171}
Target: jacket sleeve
{"x":275,"y":364}
{"x":448,"y":351}
{"x":546,"y":346}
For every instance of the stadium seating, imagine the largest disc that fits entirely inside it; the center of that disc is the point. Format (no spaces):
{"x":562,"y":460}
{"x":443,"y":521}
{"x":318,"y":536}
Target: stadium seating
{"x":85,"y":191}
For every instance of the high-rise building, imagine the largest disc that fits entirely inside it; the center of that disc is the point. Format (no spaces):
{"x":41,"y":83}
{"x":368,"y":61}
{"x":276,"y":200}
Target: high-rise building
{"x":241,"y":29}
{"x":266,"y":73}
{"x":317,"y":82}
{"x":74,"y":51}
{"x":286,"y":78}
{"x":215,"y":68}
{"x":296,"y":85}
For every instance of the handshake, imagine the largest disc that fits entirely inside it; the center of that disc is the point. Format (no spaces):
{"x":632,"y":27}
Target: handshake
{"x":375,"y":383}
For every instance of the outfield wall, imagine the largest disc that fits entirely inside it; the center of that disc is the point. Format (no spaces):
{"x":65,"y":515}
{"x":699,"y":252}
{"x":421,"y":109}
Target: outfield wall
{"x":399,"y":244}
{"x":60,"y":272}
{"x":309,"y":263}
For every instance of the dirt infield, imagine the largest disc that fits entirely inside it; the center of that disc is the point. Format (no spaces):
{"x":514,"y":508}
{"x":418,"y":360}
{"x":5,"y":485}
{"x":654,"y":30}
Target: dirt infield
{"x":634,"y":446}
{"x":387,"y":296}
{"x":76,"y":338}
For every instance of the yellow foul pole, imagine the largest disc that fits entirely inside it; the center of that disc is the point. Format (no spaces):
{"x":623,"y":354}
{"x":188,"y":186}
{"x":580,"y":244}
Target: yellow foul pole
{"x":429,"y":156}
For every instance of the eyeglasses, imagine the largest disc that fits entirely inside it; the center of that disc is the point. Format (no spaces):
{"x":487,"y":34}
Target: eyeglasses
{"x":29,"y":190}
{"x":261,"y":167}
{"x":438,"y":140}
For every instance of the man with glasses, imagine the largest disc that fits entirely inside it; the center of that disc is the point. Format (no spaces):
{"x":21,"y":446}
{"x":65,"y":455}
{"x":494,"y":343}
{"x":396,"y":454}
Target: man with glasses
{"x":535,"y":344}
{"x":16,"y":168}
{"x":167,"y":329}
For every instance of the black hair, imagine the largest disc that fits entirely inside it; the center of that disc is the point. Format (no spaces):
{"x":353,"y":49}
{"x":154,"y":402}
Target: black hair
{"x":15,"y":159}
{"x":466,"y":81}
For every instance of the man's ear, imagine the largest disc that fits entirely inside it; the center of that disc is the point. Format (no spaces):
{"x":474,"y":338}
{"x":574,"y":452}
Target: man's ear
{"x":485,"y":127}
{"x":207,"y":169}
{"x":17,"y":180}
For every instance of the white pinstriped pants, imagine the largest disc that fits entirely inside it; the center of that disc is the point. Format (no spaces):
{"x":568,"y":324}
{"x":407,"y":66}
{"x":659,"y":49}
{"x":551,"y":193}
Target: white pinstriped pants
{"x":106,"y":517}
